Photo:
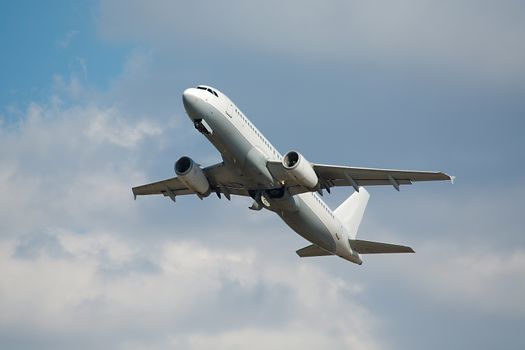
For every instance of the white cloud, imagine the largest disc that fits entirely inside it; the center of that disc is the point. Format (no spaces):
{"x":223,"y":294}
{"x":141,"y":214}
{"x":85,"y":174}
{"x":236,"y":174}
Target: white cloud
{"x":109,"y":127}
{"x":470,"y":255}
{"x":459,"y":37}
{"x":78,"y":290}
{"x":64,"y":165}
{"x":471,"y":278}
{"x":300,"y":336}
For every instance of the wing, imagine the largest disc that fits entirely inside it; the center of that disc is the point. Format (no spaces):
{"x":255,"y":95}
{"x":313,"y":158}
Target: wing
{"x":169,"y":187}
{"x":221,"y":178}
{"x":332,"y":175}
{"x":348,"y":176}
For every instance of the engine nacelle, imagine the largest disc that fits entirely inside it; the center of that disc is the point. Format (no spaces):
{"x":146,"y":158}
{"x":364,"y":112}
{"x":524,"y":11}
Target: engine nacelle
{"x":192,"y":175}
{"x":300,"y":169}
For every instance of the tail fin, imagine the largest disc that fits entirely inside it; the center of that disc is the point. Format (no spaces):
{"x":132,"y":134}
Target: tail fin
{"x":351,"y":211}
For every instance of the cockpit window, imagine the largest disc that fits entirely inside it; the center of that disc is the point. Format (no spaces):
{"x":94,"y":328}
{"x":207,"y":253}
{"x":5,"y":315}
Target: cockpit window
{"x":213,"y":92}
{"x":209,"y":90}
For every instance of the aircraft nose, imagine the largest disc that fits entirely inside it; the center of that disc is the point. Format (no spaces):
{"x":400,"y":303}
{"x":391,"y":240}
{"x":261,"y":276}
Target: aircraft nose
{"x":188,"y":96}
{"x":190,"y":101}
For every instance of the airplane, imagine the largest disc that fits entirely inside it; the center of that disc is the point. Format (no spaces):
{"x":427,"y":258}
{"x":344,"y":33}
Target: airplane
{"x":288,"y":185}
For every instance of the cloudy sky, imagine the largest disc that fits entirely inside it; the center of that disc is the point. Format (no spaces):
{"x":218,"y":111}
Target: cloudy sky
{"x":90,"y":105}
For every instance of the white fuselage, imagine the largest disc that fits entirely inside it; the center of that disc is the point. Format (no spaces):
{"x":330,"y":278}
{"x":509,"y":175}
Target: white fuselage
{"x":245,"y":147}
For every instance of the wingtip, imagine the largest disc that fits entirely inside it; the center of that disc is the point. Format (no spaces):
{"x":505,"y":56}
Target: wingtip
{"x":452,"y":179}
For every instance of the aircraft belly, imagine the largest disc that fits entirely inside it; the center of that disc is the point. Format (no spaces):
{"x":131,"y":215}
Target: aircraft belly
{"x":307,"y":224}
{"x":230,"y":143}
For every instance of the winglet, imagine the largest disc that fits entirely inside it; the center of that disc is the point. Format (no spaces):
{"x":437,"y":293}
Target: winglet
{"x":452,"y":178}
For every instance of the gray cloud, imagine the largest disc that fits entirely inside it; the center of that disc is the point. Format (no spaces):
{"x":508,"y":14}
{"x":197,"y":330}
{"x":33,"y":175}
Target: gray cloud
{"x":183,"y":301}
{"x":33,"y":245}
{"x":482,"y":39}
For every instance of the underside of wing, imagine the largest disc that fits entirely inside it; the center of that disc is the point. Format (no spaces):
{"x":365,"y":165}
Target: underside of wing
{"x":368,"y":247}
{"x":312,"y":250}
{"x":221,"y":179}
{"x":169,"y":187}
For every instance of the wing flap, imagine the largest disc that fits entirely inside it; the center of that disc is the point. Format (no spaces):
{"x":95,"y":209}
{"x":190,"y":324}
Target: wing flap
{"x":312,"y":250}
{"x":368,"y":247}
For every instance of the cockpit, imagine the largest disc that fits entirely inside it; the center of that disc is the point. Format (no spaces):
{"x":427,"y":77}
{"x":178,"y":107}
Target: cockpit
{"x":211,"y":91}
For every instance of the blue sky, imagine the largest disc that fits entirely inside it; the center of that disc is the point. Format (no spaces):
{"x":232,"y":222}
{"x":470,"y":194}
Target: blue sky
{"x":90,"y":105}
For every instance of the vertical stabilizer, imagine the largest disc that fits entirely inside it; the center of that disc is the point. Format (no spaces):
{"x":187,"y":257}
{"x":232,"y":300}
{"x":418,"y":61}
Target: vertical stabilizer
{"x":351,"y":211}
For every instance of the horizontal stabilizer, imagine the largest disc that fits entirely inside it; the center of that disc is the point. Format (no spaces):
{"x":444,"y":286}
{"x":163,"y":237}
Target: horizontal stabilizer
{"x":312,"y":250}
{"x":367,"y":247}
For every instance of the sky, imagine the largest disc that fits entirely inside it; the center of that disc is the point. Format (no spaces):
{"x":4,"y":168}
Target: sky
{"x":90,"y":106}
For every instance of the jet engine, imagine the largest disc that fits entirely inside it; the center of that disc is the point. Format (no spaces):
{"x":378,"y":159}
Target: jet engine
{"x":191,"y":174}
{"x":300,"y":169}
